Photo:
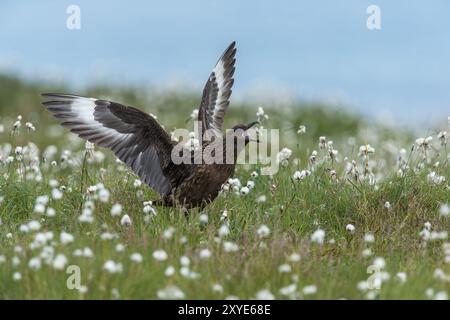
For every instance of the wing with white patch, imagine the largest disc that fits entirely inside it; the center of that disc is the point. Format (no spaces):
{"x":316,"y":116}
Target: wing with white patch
{"x":217,"y":92}
{"x":135,"y":137}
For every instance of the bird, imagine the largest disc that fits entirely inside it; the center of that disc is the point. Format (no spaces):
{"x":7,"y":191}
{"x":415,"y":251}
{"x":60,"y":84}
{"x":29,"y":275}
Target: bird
{"x":138,"y":140}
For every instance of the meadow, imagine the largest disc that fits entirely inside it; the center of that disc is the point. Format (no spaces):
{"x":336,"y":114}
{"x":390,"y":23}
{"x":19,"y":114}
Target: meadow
{"x":357,"y":210}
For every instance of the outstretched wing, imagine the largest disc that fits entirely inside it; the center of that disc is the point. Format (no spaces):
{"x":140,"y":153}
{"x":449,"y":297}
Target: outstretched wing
{"x":135,"y":137}
{"x":216,"y":93}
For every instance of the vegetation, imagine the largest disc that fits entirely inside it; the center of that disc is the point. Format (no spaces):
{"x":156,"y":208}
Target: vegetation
{"x":354,"y":207}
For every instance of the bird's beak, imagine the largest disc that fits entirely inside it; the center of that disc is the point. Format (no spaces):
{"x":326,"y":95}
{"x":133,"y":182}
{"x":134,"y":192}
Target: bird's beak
{"x":251,"y":124}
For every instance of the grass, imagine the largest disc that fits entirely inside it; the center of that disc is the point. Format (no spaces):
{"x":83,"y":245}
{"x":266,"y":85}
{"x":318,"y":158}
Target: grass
{"x":293,"y":211}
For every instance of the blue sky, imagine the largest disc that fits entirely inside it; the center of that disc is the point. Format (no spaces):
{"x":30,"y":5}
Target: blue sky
{"x":315,"y":50}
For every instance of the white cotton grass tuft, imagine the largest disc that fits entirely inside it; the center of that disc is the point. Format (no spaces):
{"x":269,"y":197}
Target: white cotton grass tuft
{"x":264,"y":294}
{"x":205,"y":254}
{"x":284,"y":268}
{"x":318,"y":236}
{"x":309,"y":290}
{"x":112,"y":267}
{"x":224,"y":231}
{"x":444,"y":210}
{"x":263,"y":231}
{"x":66,"y":238}
{"x":229,"y":246}
{"x":136,"y":257}
{"x":294,"y":257}
{"x":116,"y":209}
{"x":160,"y":255}
{"x":59,"y":262}
{"x":401,"y":276}
{"x":369,"y":237}
{"x":350,"y":228}
{"x":170,"y":271}
{"x":244,"y":191}
{"x":171,"y":292}
{"x":125,"y":220}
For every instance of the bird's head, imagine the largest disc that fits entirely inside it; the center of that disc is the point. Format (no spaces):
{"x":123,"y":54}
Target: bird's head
{"x":241,"y":134}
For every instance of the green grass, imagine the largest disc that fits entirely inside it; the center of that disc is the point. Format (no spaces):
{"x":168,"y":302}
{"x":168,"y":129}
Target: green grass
{"x":293,"y":211}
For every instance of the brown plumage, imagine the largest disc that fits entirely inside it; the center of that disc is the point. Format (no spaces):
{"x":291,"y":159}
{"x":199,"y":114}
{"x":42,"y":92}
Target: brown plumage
{"x":138,"y":140}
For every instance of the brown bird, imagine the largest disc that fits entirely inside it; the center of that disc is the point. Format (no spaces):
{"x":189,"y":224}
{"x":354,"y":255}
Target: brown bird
{"x":138,"y":140}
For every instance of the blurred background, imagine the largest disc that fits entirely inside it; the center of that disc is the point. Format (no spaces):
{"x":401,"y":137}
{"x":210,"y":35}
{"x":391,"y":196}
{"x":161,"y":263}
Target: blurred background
{"x":308,"y":52}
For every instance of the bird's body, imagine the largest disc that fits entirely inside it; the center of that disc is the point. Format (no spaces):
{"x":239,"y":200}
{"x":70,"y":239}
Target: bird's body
{"x":201,"y":187}
{"x":138,"y":140}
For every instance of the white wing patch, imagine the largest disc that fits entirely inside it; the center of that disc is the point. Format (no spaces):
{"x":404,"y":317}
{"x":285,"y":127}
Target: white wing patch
{"x":84,"y":115}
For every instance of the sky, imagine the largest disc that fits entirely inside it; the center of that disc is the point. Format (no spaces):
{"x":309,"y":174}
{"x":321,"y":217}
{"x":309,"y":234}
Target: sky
{"x":310,"y":50}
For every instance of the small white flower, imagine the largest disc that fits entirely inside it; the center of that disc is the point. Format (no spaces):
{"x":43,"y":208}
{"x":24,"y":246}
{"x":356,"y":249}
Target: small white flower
{"x":301,"y":175}
{"x":318,"y":236}
{"x":350,"y":228}
{"x":203,"y":218}
{"x":294,"y":257}
{"x":59,"y":262}
{"x":185,"y":261}
{"x":369,"y":238}
{"x":171,"y":292}
{"x":89,"y":146}
{"x":160,"y":255}
{"x":379,"y":262}
{"x":263,"y":231}
{"x":217,"y":287}
{"x":283,"y":156}
{"x":230,"y":246}
{"x":103,"y":195}
{"x":136,"y":257}
{"x":168,"y":233}
{"x":125,"y":220}
{"x":365,"y":150}
{"x":387,"y":205}
{"x":308,"y":290}
{"x":261,"y":199}
{"x":264,"y":295}
{"x":441,"y":295}
{"x":170,"y":271}
{"x":288,"y":290}
{"x":401,"y":276}
{"x":17,"y":276}
{"x":57,"y":194}
{"x":224,"y":231}
{"x":50,"y":212}
{"x":284,"y":268}
{"x":367,"y":252}
{"x":120,"y":247}
{"x":444,"y":210}
{"x":39,"y":208}
{"x":66,"y":238}
{"x":112,"y":267}
{"x":116,"y":209}
{"x":245,"y":190}
{"x":24,"y":228}
{"x":34,"y":225}
{"x":137,"y":183}
{"x":35,"y":263}
{"x":87,"y":252}
{"x":205,"y":254}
